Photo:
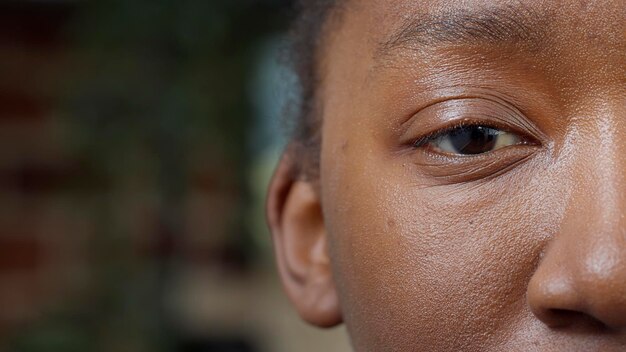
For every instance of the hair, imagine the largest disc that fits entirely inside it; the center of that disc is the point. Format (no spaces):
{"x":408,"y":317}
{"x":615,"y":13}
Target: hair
{"x":306,"y":38}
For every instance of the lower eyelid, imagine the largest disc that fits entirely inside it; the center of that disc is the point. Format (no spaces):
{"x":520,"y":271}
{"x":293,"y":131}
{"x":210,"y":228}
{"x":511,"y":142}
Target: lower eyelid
{"x":448,"y":169}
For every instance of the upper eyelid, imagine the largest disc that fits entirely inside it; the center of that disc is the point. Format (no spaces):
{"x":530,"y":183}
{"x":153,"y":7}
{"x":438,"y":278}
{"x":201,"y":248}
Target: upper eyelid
{"x":460,"y":97}
{"x":488,"y":110}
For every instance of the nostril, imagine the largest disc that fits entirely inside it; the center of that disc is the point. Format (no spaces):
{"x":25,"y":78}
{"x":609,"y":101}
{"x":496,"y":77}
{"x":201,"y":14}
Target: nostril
{"x":560,"y":318}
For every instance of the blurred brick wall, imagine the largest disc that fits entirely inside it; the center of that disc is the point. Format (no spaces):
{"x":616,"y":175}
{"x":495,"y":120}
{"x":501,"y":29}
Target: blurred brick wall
{"x":141,"y":232}
{"x":41,"y":233}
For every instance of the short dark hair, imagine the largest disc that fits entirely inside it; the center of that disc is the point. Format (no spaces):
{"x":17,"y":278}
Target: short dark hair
{"x":306,"y":38}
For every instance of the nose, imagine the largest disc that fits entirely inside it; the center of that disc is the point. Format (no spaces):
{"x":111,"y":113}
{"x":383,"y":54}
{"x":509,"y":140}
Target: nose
{"x":581,"y":278}
{"x":590,"y":289}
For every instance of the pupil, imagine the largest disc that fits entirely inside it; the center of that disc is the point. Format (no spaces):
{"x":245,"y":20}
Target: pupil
{"x":474,"y":139}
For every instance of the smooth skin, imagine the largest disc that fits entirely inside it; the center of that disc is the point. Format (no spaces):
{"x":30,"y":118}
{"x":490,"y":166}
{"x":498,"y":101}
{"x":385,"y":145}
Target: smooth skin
{"x":416,"y":247}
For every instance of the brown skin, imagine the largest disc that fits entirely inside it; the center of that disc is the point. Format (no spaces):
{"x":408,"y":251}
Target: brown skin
{"x":518,"y":249}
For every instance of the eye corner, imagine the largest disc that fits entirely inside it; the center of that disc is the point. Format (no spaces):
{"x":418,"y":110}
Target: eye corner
{"x":532,"y":142}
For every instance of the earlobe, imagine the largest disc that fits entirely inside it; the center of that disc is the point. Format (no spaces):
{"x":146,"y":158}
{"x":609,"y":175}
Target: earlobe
{"x":296,"y":221}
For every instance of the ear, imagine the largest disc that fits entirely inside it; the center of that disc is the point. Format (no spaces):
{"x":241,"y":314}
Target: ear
{"x":295,"y":219}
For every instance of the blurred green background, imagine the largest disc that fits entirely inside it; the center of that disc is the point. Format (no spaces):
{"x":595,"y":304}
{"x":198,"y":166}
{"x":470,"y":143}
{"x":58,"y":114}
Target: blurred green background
{"x":137,"y":141}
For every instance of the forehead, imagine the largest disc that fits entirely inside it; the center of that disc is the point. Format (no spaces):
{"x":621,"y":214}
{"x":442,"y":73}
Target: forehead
{"x":406,"y":23}
{"x":575,"y":42}
{"x":591,"y":12}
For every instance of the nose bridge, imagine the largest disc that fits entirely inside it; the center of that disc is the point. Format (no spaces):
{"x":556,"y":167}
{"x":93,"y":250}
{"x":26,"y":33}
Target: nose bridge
{"x":593,"y":231}
{"x":598,"y":173}
{"x":584,"y":268}
{"x":592,"y":242}
{"x":596,"y":218}
{"x":602,"y":185}
{"x":601,"y":176}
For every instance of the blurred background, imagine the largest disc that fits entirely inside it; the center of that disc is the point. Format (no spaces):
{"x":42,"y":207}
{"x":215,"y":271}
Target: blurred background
{"x":137,"y":139}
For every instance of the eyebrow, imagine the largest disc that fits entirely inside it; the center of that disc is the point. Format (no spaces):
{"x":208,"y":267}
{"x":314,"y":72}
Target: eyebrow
{"x":503,"y":25}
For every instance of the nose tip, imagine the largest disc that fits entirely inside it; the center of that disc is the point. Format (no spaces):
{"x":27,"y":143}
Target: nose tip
{"x":593,"y":295}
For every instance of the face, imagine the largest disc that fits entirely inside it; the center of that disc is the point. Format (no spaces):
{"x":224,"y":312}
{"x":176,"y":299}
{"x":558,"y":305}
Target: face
{"x":472,"y":190}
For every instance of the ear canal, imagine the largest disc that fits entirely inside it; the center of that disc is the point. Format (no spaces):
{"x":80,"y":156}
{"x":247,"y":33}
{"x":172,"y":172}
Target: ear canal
{"x":300,"y":241}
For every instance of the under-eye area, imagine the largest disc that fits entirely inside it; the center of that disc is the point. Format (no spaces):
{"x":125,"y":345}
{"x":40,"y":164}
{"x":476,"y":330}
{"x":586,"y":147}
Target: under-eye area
{"x":446,"y":168}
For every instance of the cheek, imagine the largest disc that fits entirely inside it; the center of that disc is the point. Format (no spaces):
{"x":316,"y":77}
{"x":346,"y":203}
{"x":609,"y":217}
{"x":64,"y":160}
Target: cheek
{"x":442,"y":267}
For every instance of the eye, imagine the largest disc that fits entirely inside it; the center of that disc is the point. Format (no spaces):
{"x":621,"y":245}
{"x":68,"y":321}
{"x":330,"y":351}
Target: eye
{"x":470,"y":140}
